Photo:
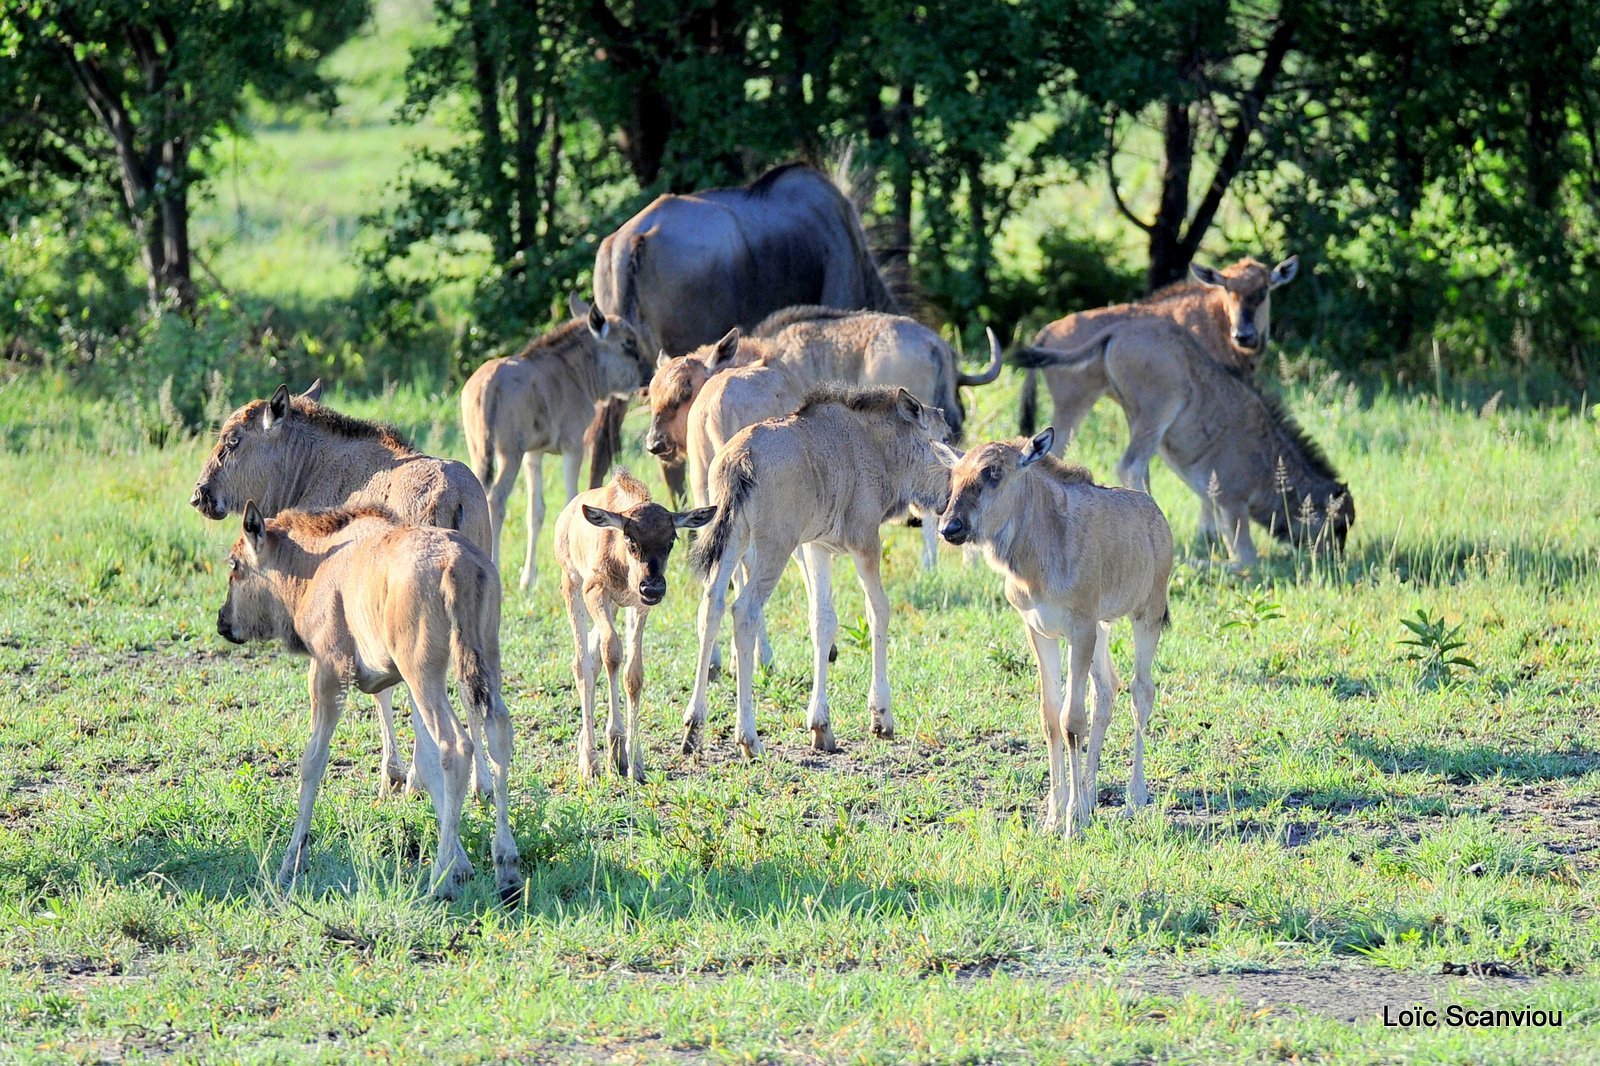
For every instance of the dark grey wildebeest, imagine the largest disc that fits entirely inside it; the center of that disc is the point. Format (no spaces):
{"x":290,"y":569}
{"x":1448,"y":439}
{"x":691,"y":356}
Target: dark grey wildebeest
{"x":690,"y":267}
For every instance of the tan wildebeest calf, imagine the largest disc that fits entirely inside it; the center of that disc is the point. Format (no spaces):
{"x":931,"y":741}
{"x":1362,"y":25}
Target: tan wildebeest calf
{"x":1235,"y":447}
{"x":612,"y":545}
{"x":1228,"y":314}
{"x":518,"y":410}
{"x":1075,"y":557}
{"x":374,"y":602}
{"x":295,"y":453}
{"x":820,"y":480}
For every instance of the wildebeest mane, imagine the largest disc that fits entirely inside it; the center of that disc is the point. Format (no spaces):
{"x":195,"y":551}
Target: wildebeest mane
{"x":869,"y":398}
{"x":762,"y":186}
{"x":1310,"y":451}
{"x":342,"y":425}
{"x":788,"y":316}
{"x":325,"y":523}
{"x":552,"y":341}
{"x":1064,"y":472}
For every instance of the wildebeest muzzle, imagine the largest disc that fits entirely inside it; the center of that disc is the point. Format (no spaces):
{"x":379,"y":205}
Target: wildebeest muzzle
{"x":205,"y":503}
{"x":955,"y":531}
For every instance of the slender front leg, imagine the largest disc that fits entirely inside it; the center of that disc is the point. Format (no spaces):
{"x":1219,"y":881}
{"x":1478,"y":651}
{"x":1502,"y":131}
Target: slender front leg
{"x":392,"y":776}
{"x":1104,"y":675}
{"x":763,"y":573}
{"x":604,"y":615}
{"x":455,"y":754}
{"x":867,"y":570}
{"x":1146,"y":635}
{"x":582,"y":674}
{"x":328,"y":690}
{"x":497,"y":736}
{"x":533,"y":472}
{"x":713,"y":602}
{"x":633,"y":678}
{"x":1075,"y":721}
{"x":1235,"y":522}
{"x":816,"y":562}
{"x":930,"y":537}
{"x":1047,"y":655}
{"x":571,"y":470}
{"x":499,"y":493}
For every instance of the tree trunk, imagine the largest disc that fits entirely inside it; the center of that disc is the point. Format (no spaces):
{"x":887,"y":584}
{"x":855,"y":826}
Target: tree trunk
{"x":1168,"y":260}
{"x":497,"y":220}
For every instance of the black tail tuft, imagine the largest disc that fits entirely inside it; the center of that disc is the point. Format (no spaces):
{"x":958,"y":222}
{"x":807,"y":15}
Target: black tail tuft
{"x":731,"y":491}
{"x":1028,"y":415}
{"x":1166,"y":617}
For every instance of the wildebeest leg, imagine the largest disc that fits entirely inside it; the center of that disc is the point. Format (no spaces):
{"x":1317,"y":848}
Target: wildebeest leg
{"x":533,"y":471}
{"x":497,"y":736}
{"x":763,"y":574}
{"x":676,"y":475}
{"x":327,"y":703}
{"x":764,"y":641}
{"x":1047,"y":655}
{"x":867,"y":571}
{"x":1146,"y":428}
{"x":571,"y":471}
{"x":1104,"y":675}
{"x":604,"y":615}
{"x":1075,"y":720}
{"x":1234,"y":524}
{"x":816,"y":562}
{"x":1208,"y":521}
{"x":713,"y":602}
{"x":583,"y":674}
{"x":1146,"y":636}
{"x":1073,"y":393}
{"x":391,"y":776}
{"x":930,"y":538}
{"x":456,"y":753}
{"x":499,"y":493}
{"x":633,"y":678}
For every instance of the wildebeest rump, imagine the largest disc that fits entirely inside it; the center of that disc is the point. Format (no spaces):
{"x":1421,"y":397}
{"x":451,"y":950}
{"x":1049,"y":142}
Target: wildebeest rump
{"x":689,"y":267}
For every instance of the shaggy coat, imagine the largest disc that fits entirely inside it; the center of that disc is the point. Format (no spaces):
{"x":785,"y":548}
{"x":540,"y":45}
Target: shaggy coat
{"x":820,"y":480}
{"x":1075,"y":557}
{"x":373,"y":602}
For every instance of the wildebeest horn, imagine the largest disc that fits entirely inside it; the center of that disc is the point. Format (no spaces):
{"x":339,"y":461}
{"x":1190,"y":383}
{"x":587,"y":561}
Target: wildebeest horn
{"x":991,"y":371}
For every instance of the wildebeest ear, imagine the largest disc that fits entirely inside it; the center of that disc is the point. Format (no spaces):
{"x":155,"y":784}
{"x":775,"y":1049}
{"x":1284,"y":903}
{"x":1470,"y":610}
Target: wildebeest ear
{"x":909,"y":406}
{"x":314,"y":393}
{"x":1285,"y":271}
{"x":577,"y":305}
{"x":1038,"y":447}
{"x":728,"y":345}
{"x":1205,"y":275}
{"x":663,"y":360}
{"x":597,"y":323}
{"x":693,"y":519}
{"x":599,"y":516}
{"x":254,"y":525}
{"x":947,"y":456}
{"x":277,"y":407}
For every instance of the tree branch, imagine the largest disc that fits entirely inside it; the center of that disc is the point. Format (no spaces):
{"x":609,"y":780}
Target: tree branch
{"x":1111,"y":173}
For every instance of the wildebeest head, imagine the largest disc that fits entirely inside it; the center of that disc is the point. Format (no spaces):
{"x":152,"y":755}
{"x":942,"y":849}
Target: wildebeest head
{"x":673,"y":389}
{"x":1309,"y":521}
{"x":983,"y":482}
{"x":253,"y":609}
{"x":619,"y":353}
{"x":648,"y":531}
{"x":247,"y":454}
{"x":1246,"y":289}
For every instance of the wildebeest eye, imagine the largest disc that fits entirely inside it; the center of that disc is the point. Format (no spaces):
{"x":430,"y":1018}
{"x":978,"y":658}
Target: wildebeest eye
{"x":233,"y":563}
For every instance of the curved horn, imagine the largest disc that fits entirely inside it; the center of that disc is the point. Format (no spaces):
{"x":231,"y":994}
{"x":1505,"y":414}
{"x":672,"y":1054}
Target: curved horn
{"x":989,"y":372}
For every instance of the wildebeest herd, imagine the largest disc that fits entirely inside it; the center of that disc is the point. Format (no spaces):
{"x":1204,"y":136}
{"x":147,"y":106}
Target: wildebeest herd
{"x":805,"y":413}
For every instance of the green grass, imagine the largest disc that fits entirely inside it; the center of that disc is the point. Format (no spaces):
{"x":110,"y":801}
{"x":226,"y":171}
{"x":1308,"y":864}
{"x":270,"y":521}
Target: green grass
{"x":1322,"y":806}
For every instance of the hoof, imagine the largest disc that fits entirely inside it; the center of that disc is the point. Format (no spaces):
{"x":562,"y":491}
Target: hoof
{"x":691,"y":738}
{"x":882,"y":725}
{"x":751,"y":748}
{"x":588,"y":765}
{"x":618,"y":751}
{"x":525,"y":582}
{"x":822,"y":738}
{"x":393,"y":781}
{"x":636,"y":773}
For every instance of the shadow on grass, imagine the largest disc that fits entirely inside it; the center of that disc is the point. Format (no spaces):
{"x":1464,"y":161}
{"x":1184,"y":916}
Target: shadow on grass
{"x":1476,"y":762}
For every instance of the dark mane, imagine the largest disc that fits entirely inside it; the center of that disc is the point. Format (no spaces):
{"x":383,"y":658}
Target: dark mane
{"x":552,"y":341}
{"x":327,"y":522}
{"x":1064,"y":472}
{"x":342,"y":425}
{"x":1310,"y":451}
{"x":871,"y":398}
{"x":779,"y":320}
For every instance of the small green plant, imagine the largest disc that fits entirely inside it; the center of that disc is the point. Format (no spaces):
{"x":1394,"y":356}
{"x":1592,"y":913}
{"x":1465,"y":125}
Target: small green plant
{"x":1250,"y":609}
{"x":858,"y":636}
{"x":1432,"y":643}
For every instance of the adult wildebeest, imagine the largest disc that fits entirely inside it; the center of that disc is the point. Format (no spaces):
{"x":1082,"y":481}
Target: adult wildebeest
{"x":1075,"y":558}
{"x":1235,"y":447}
{"x":820,"y":480}
{"x":689,"y":267}
{"x":295,"y":453}
{"x":374,"y":602}
{"x":612,"y":545}
{"x":540,"y":402}
{"x":1229,"y":314}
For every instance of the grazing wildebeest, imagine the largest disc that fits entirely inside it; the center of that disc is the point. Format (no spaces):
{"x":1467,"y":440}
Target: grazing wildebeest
{"x":295,"y":453}
{"x":373,"y":602}
{"x":1229,"y":313}
{"x":1238,"y":449}
{"x":820,"y":480}
{"x":540,"y":402}
{"x":1075,"y":557}
{"x":612,"y":545}
{"x":689,"y":267}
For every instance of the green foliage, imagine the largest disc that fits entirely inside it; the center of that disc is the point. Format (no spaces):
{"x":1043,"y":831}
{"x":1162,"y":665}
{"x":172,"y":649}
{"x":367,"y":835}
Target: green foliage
{"x":1434,"y":643}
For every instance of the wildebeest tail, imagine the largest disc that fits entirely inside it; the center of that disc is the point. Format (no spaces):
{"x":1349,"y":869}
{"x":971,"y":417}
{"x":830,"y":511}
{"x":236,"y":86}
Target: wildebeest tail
{"x":731,"y":482}
{"x":472,"y":601}
{"x":477,"y":415}
{"x":1028,"y":411}
{"x":1166,"y":617}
